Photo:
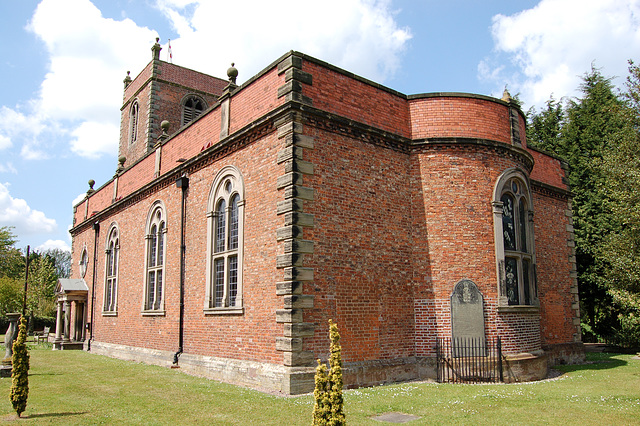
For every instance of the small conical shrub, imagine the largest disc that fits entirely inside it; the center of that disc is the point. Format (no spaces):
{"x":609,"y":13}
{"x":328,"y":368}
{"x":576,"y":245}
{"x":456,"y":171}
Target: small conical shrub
{"x":329,"y":404}
{"x":20,"y":374}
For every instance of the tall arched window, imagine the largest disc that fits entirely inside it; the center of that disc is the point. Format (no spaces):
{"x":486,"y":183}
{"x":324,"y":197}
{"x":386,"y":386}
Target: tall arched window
{"x":225,"y":242}
{"x":111,"y":275}
{"x":513,"y":223}
{"x":155,"y":259}
{"x":192,"y":108}
{"x":133,"y":122}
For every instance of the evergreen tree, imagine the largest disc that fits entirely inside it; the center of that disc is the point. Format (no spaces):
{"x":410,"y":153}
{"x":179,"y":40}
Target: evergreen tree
{"x":621,"y":249}
{"x":329,"y":403}
{"x":545,"y":128}
{"x":586,"y":138}
{"x":580,"y":133}
{"x":20,"y":374}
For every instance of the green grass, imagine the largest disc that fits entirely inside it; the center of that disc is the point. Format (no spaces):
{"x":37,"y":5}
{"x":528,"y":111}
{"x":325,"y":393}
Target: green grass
{"x":75,"y":387}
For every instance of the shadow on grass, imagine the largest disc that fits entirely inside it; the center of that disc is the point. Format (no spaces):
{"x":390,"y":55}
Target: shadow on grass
{"x":595,"y":361}
{"x":45,"y":415}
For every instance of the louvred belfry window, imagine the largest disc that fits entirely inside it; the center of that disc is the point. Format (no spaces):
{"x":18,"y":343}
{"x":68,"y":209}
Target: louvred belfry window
{"x":192,"y":109}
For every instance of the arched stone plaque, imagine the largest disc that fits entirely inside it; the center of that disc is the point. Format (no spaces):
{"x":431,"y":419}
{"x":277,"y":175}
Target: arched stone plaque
{"x":467,"y":317}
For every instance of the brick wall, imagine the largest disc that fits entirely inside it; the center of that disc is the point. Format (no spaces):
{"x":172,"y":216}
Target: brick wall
{"x":396,"y":207}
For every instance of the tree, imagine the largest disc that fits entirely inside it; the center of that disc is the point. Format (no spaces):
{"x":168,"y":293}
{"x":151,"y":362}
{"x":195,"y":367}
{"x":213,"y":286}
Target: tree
{"x":545,"y":128}
{"x":61,"y":260}
{"x":580,"y":133}
{"x":11,"y":260}
{"x":41,"y":287}
{"x":621,"y":248}
{"x":329,"y":406}
{"x":20,"y":373}
{"x":586,"y":136}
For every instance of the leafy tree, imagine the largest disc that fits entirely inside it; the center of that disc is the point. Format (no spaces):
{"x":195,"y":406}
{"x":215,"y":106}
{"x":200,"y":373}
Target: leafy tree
{"x":20,"y":374}
{"x":61,"y":260}
{"x":41,"y":287}
{"x":329,"y":406}
{"x":11,"y":260}
{"x":11,"y":291}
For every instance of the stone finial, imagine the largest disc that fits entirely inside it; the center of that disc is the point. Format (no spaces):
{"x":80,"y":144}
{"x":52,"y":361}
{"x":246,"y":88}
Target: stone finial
{"x":91,"y":190}
{"x":232,"y":73}
{"x":165,"y":126}
{"x":121,"y":160}
{"x":155,"y":50}
{"x":165,"y":133}
{"x":506,"y":96}
{"x":127,"y":80}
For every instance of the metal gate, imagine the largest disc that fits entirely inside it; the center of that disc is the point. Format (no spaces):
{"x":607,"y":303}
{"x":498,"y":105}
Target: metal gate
{"x":469,"y":360}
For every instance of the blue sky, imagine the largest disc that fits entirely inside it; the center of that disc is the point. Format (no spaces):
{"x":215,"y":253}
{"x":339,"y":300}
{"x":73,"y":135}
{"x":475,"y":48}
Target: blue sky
{"x":62,"y":63}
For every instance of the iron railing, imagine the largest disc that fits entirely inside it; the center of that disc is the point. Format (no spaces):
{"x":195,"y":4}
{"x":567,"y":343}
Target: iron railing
{"x":469,"y":360}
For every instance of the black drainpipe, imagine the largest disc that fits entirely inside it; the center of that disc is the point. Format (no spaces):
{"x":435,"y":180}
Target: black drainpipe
{"x":96,"y":230}
{"x":182,"y":182}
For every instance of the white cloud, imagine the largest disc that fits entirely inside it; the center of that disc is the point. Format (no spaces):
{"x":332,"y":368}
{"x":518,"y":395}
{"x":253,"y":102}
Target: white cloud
{"x":16,"y":212}
{"x":92,"y":138}
{"x":553,"y":44}
{"x":82,"y":90}
{"x":78,"y":198}
{"x":8,"y":168}
{"x":5,"y":142}
{"x":359,"y":35}
{"x":53,"y":244}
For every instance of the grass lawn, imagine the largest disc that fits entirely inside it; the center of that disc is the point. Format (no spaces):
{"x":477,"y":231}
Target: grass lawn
{"x":75,"y":387}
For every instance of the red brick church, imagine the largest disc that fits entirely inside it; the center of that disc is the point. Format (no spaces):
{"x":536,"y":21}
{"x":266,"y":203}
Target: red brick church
{"x":242,"y":218}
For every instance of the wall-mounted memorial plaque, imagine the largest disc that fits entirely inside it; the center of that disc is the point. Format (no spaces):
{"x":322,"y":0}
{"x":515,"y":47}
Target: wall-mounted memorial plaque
{"x":467,"y":319}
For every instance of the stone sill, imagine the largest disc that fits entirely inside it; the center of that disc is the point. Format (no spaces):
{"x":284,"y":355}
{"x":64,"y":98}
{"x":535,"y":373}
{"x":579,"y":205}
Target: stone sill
{"x":234,"y":310}
{"x":518,"y":309}
{"x":109,"y":313}
{"x":153,"y":313}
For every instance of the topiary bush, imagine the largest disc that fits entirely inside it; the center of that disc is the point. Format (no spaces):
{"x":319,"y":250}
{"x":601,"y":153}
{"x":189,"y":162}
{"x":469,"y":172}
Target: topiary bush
{"x":329,"y":403}
{"x":20,"y":374}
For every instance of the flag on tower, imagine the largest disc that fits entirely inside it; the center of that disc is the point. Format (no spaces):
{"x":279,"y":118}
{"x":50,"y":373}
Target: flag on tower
{"x":170,"y":53}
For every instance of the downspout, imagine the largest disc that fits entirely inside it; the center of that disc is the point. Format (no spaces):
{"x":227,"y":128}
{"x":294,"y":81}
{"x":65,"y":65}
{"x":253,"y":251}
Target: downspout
{"x":96,"y":230}
{"x":183,"y":183}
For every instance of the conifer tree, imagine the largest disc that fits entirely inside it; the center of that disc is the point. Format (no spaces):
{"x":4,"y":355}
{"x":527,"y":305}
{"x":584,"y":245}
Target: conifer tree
{"x":20,"y":374}
{"x":329,"y":403}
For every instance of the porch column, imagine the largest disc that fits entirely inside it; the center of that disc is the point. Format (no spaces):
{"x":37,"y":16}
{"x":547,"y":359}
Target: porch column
{"x":67,"y":320}
{"x":59,"y":322}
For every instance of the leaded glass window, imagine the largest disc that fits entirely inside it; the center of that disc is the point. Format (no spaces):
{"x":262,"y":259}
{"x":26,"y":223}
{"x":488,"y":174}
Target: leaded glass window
{"x":111,"y":279}
{"x":516,"y":231}
{"x":224,"y":292}
{"x":155,"y":259}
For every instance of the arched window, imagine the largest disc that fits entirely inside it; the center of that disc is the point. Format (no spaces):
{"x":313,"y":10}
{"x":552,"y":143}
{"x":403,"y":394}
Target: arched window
{"x":111,"y":275}
{"x":225,"y":241}
{"x":133,"y":122}
{"x":155,"y":259}
{"x":192,"y":108}
{"x":513,"y":224}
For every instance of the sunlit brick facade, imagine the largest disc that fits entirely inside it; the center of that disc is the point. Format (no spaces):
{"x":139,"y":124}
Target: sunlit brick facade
{"x":308,"y":194}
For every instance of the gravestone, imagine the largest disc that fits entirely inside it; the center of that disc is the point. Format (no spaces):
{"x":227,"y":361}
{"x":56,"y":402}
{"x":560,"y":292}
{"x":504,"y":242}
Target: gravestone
{"x":467,"y":319}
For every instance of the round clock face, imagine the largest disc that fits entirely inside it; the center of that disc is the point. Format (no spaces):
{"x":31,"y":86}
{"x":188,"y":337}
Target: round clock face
{"x":84,"y":261}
